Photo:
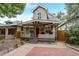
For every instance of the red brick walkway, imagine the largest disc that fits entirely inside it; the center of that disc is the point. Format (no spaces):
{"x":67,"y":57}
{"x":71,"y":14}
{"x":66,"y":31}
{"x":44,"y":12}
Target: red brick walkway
{"x":46,"y":51}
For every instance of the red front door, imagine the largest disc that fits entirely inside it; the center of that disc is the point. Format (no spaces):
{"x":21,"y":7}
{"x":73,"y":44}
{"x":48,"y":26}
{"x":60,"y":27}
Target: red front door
{"x":37,"y":31}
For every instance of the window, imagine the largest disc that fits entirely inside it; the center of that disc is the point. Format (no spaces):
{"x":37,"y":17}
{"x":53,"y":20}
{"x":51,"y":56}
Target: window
{"x":27,"y":30}
{"x":11,"y":31}
{"x":39,"y":15}
{"x":42,"y":30}
{"x":31,"y":29}
{"x":21,"y":28}
{"x":2,"y":31}
{"x":48,"y":30}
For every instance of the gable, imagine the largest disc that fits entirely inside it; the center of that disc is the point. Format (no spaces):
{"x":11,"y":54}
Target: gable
{"x":40,"y":8}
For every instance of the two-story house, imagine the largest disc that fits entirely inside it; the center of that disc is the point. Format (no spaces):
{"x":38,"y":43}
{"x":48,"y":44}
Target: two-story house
{"x":42,"y":27}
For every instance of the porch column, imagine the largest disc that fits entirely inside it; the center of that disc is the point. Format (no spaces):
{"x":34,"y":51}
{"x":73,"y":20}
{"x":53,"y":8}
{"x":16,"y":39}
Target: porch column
{"x":24,"y":31}
{"x":0,"y":32}
{"x":55,"y":31}
{"x":6,"y":33}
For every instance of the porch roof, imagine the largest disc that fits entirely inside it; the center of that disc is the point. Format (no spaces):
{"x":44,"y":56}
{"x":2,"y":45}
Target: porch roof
{"x":31,"y":22}
{"x":7,"y":25}
{"x":2,"y":24}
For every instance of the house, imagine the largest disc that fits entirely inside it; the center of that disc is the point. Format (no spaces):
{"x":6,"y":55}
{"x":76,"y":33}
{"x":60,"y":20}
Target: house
{"x":43,"y":26}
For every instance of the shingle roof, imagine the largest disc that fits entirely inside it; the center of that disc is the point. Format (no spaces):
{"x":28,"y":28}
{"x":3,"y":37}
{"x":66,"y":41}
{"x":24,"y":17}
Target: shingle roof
{"x":39,"y":6}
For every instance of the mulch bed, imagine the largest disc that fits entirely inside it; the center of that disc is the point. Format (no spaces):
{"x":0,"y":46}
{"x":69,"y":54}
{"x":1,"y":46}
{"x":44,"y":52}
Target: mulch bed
{"x":7,"y":45}
{"x":46,"y":51}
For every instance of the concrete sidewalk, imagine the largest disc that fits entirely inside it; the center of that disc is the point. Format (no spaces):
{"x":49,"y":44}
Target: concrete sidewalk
{"x":21,"y":51}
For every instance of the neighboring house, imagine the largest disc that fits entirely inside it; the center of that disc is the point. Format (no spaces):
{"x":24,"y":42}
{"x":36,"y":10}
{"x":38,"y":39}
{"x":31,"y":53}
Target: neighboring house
{"x":9,"y":22}
{"x":2,"y":30}
{"x":43,"y":26}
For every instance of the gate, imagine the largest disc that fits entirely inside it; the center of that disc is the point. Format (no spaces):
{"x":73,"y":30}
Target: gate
{"x":61,"y":35}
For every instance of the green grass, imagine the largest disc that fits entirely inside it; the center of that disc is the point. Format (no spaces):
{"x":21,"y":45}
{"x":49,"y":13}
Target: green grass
{"x":2,"y":37}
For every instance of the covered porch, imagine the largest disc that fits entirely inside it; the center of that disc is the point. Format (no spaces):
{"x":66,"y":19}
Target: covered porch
{"x":8,"y":31}
{"x":39,"y":30}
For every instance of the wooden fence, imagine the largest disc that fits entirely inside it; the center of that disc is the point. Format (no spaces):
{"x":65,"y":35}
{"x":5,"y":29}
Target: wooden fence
{"x":61,"y":35}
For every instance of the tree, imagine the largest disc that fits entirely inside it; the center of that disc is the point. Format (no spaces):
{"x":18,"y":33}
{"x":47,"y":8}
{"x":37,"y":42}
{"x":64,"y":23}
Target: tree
{"x":72,"y":8}
{"x":61,"y":15}
{"x":73,"y":32}
{"x":11,"y":9}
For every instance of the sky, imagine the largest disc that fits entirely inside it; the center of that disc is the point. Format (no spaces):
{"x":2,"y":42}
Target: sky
{"x":27,"y":14}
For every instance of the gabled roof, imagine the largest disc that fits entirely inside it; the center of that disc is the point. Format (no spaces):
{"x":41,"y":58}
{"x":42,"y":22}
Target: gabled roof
{"x":35,"y":8}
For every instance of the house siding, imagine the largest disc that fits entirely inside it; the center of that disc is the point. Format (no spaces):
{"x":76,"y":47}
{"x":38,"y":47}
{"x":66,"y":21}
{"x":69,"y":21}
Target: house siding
{"x":43,"y":14}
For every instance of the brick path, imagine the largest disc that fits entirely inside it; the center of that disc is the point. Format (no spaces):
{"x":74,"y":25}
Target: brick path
{"x":47,"y":51}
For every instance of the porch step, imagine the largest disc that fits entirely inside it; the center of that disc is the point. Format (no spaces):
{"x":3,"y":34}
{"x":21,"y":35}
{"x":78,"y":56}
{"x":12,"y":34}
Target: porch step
{"x":34,"y":40}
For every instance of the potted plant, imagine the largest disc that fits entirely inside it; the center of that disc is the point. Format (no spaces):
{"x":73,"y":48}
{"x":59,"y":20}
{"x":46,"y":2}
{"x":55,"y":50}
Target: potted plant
{"x":42,"y":32}
{"x":50,"y":32}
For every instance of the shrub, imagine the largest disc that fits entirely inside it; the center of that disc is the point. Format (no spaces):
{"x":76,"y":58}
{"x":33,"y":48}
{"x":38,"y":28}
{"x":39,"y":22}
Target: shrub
{"x":73,"y":35}
{"x":67,"y":34}
{"x":73,"y":39}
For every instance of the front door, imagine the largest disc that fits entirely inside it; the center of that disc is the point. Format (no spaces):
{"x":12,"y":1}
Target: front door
{"x":37,"y":31}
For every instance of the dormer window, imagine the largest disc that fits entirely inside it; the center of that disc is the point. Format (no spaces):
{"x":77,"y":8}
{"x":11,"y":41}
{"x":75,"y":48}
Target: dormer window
{"x":39,"y":15}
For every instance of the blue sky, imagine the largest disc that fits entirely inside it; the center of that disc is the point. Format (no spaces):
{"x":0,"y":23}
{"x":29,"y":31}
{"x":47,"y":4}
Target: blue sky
{"x":52,"y":7}
{"x":27,"y":14}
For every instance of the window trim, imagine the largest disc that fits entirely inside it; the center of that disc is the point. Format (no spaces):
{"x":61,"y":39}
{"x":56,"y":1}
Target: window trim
{"x":39,"y":15}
